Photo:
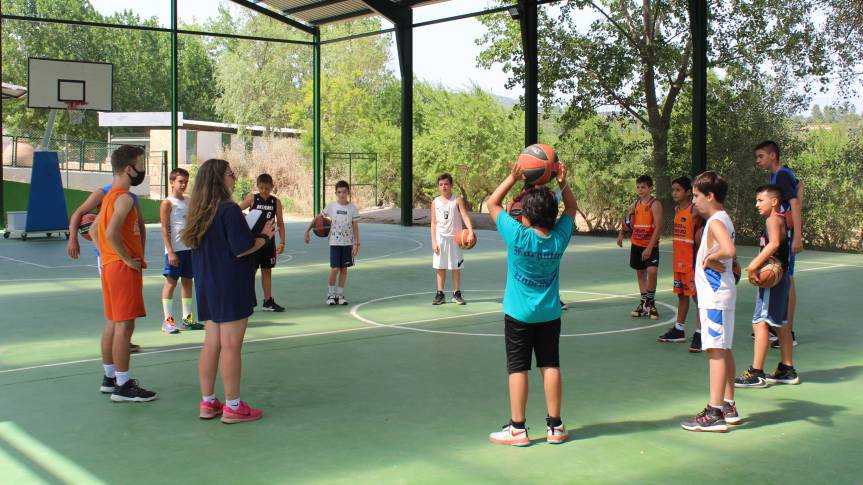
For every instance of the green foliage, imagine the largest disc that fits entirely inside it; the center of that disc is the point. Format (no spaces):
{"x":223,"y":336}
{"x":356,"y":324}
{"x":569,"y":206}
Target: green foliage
{"x":243,"y":187}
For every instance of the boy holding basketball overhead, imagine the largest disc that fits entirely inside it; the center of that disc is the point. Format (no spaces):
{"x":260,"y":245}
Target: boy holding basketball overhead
{"x":344,"y":241}
{"x":771,"y":303}
{"x":717,"y":297}
{"x":448,"y":212}
{"x":271,"y":207}
{"x":646,"y":223}
{"x":530,"y":304}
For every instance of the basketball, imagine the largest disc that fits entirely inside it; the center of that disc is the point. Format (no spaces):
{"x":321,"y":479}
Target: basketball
{"x":770,"y":274}
{"x":735,"y":269}
{"x":322,"y":226}
{"x":461,"y":239}
{"x":539,"y":163}
{"x":84,"y":228}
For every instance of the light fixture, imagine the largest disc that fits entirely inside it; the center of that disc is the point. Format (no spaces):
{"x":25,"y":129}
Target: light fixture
{"x":514,"y":12}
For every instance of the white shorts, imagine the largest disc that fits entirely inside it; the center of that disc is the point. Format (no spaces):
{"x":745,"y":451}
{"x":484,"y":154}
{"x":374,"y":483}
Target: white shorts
{"x":450,"y":256}
{"x":717,"y":328}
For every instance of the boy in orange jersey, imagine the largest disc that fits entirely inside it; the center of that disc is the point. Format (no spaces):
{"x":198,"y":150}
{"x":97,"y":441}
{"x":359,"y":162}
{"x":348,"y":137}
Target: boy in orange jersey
{"x":687,"y":230}
{"x":645,"y":218}
{"x":121,"y":252}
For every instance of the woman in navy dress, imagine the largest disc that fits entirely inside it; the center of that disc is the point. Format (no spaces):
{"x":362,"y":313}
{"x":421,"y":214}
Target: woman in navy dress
{"x":222,"y":247}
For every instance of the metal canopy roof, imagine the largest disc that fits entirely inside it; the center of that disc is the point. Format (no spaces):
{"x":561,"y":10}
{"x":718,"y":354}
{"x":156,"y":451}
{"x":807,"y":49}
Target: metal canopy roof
{"x":318,"y":12}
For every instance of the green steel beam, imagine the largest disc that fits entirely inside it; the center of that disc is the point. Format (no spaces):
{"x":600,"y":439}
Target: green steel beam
{"x":174,"y":86}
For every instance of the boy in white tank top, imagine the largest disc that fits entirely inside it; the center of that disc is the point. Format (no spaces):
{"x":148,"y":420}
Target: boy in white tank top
{"x":178,"y":257}
{"x":448,"y":213}
{"x":717,"y":294}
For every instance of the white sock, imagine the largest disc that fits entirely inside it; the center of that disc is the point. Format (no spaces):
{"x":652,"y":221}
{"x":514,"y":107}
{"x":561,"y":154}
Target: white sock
{"x":340,"y":290}
{"x":730,"y":401}
{"x":168,"y":307}
{"x":187,"y":307}
{"x":109,"y":370}
{"x":122,"y":377}
{"x":679,"y":326}
{"x":210,"y":399}
{"x":331,"y":289}
{"x":233,"y":403}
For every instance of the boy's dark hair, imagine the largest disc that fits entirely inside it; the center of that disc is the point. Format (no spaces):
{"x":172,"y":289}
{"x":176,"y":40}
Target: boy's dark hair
{"x":710,"y":182}
{"x":644,"y":179}
{"x":125,"y":156}
{"x":178,"y":172}
{"x":683,"y":182}
{"x":343,"y":184}
{"x":772,"y":190}
{"x":769,"y":146}
{"x":445,"y":176}
{"x":540,"y":207}
{"x":264,"y":178}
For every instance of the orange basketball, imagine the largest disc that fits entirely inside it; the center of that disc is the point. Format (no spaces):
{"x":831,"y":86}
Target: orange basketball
{"x":461,"y":239}
{"x":770,"y":274}
{"x":539,"y":163}
{"x":322,"y":226}
{"x":87,"y":220}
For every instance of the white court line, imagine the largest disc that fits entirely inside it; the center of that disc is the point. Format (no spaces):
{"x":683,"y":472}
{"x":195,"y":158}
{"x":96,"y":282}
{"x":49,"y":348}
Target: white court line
{"x":25,"y":262}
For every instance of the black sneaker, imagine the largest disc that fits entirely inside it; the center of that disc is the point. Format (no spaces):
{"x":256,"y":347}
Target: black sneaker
{"x":130,"y":392}
{"x":651,"y":311}
{"x":775,"y":344}
{"x":710,"y":419}
{"x":639,"y":310}
{"x":751,"y":378}
{"x":564,"y":306}
{"x":729,"y":413}
{"x":457,"y":299}
{"x":771,"y":335}
{"x":695,"y":345}
{"x":108,"y":384}
{"x":134,"y":348}
{"x":271,"y":306}
{"x":672,"y":335}
{"x":439,"y":298}
{"x":784,"y":374}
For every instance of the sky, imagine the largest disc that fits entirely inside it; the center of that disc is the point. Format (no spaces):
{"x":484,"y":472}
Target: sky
{"x":444,"y":53}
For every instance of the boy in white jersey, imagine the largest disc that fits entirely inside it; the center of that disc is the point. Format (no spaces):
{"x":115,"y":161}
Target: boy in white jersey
{"x":717,"y":295}
{"x":178,"y":257}
{"x":344,"y":241}
{"x":448,"y":212}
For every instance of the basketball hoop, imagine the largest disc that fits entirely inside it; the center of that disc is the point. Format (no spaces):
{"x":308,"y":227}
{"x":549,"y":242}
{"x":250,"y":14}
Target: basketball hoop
{"x":74,"y":111}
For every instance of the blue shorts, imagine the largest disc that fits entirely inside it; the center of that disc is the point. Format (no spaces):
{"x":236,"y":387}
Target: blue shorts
{"x":341,"y":257}
{"x":771,"y":304}
{"x":791,"y":258}
{"x":184,"y":270}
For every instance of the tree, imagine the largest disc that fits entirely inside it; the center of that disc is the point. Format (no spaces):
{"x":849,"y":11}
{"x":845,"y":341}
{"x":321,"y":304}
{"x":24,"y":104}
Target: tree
{"x":844,"y":26}
{"x":635,"y":57}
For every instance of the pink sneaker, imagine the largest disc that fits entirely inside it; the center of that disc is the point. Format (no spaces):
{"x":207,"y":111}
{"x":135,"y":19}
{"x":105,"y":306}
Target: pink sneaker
{"x":210,"y":410}
{"x":241,"y":414}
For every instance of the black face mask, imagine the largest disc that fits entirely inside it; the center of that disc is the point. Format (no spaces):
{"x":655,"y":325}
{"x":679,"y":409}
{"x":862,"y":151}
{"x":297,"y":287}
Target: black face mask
{"x":138,"y":178}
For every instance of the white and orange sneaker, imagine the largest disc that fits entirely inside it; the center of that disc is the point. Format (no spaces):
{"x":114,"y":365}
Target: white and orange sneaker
{"x":169,"y":327}
{"x":210,"y":410}
{"x":241,"y":414}
{"x":510,"y":435}
{"x":556,"y":434}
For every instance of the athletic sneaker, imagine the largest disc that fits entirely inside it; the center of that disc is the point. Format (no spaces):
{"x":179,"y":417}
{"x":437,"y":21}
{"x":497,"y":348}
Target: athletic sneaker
{"x":672,"y":335}
{"x":191,"y":324}
{"x":331,"y":299}
{"x":775,"y":344}
{"x":729,"y":413}
{"x":457,"y":299}
{"x":751,"y":378}
{"x":134,"y":348}
{"x":108,"y":384}
{"x":169,"y":327}
{"x":639,"y":310}
{"x":563,"y":305}
{"x":131,"y":392}
{"x":271,"y":306}
{"x":241,"y":414}
{"x":652,"y":312}
{"x":439,"y":298}
{"x":510,"y":435}
{"x":555,"y":434}
{"x":210,"y":410}
{"x":784,"y":374}
{"x":710,"y":419}
{"x":771,"y":335}
{"x":695,"y":345}
{"x":341,"y":300}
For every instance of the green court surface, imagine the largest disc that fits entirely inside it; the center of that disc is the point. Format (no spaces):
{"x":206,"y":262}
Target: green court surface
{"x":391,"y":389}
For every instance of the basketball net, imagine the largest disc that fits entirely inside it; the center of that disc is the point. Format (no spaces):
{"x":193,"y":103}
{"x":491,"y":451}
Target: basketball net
{"x":74,"y":111}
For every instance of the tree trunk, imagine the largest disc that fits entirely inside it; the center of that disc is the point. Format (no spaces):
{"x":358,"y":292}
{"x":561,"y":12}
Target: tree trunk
{"x":662,"y":179}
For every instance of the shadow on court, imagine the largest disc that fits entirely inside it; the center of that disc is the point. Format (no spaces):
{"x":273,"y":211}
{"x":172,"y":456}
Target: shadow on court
{"x":793,"y":410}
{"x":623,"y":427}
{"x":267,"y":323}
{"x":826,"y":376}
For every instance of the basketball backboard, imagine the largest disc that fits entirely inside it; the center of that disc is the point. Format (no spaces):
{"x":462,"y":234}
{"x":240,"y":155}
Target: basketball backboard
{"x":54,"y":83}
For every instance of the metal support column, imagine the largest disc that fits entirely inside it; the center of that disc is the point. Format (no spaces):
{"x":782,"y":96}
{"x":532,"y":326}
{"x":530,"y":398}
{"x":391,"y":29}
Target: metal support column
{"x":698,"y":26}
{"x":174,"y":85}
{"x":316,"y":122}
{"x":528,"y":17}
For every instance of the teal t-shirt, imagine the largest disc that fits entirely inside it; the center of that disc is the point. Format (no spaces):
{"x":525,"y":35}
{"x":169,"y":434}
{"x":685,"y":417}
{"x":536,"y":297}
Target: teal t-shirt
{"x":533,"y":269}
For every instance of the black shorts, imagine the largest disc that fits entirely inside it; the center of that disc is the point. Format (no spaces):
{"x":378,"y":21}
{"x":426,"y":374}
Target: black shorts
{"x":341,"y":256}
{"x":635,"y":261}
{"x":523,"y":339}
{"x":265,"y":258}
